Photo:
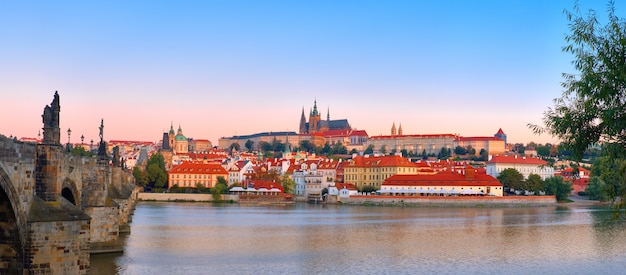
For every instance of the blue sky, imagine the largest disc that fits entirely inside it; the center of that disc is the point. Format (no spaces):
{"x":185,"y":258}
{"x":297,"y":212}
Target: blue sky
{"x":221,"y":68}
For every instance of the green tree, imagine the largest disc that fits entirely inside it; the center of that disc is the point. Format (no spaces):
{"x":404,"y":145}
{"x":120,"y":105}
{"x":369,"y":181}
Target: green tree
{"x":353,"y":151}
{"x":235,"y":146}
{"x":219,"y":188}
{"x":596,"y":189}
{"x":249,"y":144}
{"x":369,"y":150}
{"x":80,"y":151}
{"x":383,"y":149}
{"x":460,"y":150}
{"x":326,"y":150}
{"x":444,"y":153}
{"x":141,"y":177}
{"x":265,"y":146}
{"x":338,"y":148}
{"x":155,"y":169}
{"x":470,"y":150}
{"x":484,"y":155}
{"x":612,"y":172}
{"x":368,"y":189}
{"x":511,"y":179}
{"x":288,"y":184}
{"x":591,"y":108}
{"x":534,"y":183}
{"x":307,"y":146}
{"x":558,"y":187}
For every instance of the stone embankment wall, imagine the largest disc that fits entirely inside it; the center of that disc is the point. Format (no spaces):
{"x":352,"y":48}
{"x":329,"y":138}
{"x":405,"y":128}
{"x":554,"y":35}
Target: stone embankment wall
{"x":183,"y":197}
{"x":452,"y":201}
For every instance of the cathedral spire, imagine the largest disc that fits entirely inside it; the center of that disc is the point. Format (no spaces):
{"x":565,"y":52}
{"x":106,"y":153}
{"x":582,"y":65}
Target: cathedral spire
{"x":400,"y":130}
{"x":328,"y":114}
{"x":393,"y":129}
{"x":314,"y":112}
{"x":302,"y":122}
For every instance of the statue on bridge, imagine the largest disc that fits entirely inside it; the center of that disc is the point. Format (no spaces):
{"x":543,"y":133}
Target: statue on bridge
{"x":102,"y":148}
{"x":51,"y":130}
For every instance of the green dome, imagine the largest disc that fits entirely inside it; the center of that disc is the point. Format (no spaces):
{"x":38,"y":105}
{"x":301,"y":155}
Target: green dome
{"x":180,"y":138}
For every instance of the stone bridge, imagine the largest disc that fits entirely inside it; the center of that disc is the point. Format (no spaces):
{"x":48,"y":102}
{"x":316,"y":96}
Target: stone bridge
{"x":54,"y":206}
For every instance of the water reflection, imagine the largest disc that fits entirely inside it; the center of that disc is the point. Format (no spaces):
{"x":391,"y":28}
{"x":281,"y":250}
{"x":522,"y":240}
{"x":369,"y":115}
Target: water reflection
{"x":193,"y":238}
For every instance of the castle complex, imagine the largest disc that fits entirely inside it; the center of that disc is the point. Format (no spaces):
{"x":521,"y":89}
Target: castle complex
{"x":317,"y":125}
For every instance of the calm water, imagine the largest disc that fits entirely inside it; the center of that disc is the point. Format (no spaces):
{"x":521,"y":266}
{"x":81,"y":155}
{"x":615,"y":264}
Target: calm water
{"x":196,"y":238}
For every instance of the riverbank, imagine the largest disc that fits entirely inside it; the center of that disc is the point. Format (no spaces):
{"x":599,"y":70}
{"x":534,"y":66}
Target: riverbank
{"x":465,"y":201}
{"x":144,"y":196}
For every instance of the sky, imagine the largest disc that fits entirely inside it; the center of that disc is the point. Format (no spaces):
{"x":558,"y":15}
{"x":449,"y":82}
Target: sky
{"x":224,"y":68}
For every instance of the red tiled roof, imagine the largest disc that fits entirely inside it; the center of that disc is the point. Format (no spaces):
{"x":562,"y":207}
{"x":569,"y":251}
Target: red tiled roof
{"x":359,"y":133}
{"x":500,"y":132}
{"x":198,"y":168}
{"x":442,"y":179}
{"x":348,"y":186}
{"x":258,"y":184}
{"x":517,"y":160}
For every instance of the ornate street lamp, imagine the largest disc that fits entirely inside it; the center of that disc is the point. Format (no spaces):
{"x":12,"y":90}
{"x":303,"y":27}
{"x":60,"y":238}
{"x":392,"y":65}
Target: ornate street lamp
{"x":82,"y":140}
{"x":69,"y":133}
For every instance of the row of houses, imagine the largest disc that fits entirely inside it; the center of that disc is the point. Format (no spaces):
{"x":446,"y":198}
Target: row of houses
{"x":389,"y":174}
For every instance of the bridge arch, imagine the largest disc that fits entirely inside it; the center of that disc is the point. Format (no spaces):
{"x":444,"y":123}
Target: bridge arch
{"x":69,"y":191}
{"x":11,"y":243}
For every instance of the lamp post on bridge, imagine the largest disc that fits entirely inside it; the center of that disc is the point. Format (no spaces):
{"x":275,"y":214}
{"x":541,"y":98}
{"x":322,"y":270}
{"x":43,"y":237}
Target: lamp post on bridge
{"x":69,"y":133}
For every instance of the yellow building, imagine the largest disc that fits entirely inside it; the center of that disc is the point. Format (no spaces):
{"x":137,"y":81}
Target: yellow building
{"x":188,"y":174}
{"x":373,"y":171}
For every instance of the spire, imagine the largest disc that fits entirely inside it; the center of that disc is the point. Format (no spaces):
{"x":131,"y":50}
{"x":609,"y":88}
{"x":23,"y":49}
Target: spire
{"x":400,"y":130}
{"x":393,"y":129}
{"x":172,"y":127}
{"x":302,"y":122}
{"x":328,"y":114}
{"x":180,"y":130}
{"x":314,"y":108}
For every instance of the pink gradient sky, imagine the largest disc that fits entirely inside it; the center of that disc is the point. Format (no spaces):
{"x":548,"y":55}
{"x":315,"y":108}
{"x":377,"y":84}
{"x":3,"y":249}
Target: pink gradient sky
{"x":242,"y":67}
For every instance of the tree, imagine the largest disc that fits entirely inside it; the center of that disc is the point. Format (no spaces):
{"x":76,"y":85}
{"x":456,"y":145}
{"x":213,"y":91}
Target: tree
{"x":444,"y":153}
{"x":288,"y":184}
{"x":511,"y":179}
{"x":369,"y":150}
{"x":591,"y":108}
{"x":558,"y":187}
{"x":470,"y":150}
{"x":368,"y":189}
{"x":459,"y":150}
{"x":155,"y":168}
{"x":219,"y":188}
{"x":265,"y":146}
{"x":611,"y":172}
{"x":141,"y":177}
{"x":235,"y":146}
{"x":353,"y":151}
{"x":383,"y":149}
{"x":249,"y":144}
{"x":306,"y":145}
{"x":596,"y":189}
{"x":484,"y":155}
{"x":338,"y":148}
{"x":327,"y":150}
{"x":80,"y":151}
{"x":534,"y":183}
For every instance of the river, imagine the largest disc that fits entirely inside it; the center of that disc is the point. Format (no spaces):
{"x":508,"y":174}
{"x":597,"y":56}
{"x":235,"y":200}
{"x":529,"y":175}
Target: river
{"x":199,"y":238}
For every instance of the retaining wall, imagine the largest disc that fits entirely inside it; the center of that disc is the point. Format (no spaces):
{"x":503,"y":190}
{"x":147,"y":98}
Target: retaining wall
{"x":457,"y":201}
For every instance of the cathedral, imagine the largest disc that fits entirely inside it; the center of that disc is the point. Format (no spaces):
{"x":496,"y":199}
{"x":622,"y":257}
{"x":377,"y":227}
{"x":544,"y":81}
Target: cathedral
{"x":317,"y":125}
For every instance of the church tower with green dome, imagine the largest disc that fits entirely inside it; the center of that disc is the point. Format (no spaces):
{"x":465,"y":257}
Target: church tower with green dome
{"x":179,"y":142}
